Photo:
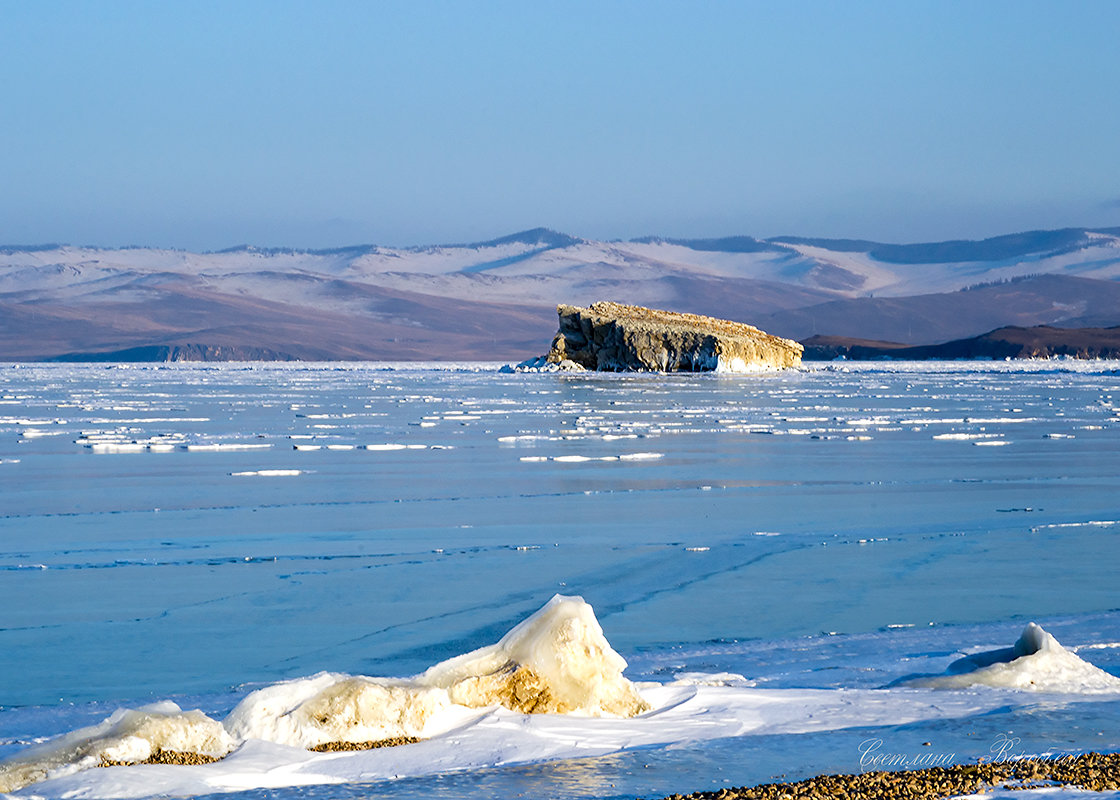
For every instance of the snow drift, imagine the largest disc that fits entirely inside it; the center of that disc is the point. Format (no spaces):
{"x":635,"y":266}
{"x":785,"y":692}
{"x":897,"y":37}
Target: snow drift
{"x":1036,"y":662}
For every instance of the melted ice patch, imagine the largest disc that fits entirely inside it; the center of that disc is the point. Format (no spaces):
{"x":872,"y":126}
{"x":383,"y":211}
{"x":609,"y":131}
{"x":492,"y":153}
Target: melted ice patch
{"x":1036,"y":662}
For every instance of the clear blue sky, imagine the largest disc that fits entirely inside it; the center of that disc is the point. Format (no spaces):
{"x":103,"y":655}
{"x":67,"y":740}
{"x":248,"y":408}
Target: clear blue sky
{"x":202,"y":125}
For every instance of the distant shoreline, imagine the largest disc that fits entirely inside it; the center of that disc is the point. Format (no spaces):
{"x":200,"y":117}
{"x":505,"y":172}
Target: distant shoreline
{"x":1041,"y":341}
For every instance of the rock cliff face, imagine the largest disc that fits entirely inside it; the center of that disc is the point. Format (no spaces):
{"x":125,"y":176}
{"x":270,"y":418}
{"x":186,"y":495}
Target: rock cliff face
{"x":615,"y":337}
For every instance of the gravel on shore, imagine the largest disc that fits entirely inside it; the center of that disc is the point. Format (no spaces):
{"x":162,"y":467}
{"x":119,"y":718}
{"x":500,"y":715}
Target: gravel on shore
{"x":162,"y":756}
{"x":339,"y":747}
{"x":1093,"y":771}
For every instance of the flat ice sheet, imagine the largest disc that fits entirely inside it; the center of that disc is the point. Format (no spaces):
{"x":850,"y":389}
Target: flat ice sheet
{"x":803,"y":529}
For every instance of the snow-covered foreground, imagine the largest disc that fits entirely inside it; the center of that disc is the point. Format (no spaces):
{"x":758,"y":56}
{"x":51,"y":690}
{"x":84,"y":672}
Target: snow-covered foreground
{"x":792,"y":564}
{"x":576,"y":705}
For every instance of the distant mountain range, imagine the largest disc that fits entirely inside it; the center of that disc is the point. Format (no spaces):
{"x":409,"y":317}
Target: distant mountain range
{"x":497,"y":299}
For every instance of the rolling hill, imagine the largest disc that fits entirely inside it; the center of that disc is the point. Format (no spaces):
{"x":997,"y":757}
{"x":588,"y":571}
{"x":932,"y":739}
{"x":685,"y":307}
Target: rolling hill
{"x":496,"y":299}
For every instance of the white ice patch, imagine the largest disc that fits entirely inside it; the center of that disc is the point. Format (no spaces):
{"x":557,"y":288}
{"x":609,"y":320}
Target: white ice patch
{"x":35,"y":433}
{"x":964,"y":437}
{"x":267,"y":473}
{"x":1036,"y":662}
{"x":579,"y":459}
{"x":711,"y":679}
{"x":225,"y":447}
{"x":118,"y":447}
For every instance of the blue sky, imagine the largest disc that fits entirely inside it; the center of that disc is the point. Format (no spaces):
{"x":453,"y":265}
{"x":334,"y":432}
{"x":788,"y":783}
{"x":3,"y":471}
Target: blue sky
{"x":203,"y":125}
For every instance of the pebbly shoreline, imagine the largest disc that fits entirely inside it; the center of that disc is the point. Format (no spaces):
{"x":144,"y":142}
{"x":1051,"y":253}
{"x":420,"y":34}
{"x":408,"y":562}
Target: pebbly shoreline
{"x":1092,"y":771}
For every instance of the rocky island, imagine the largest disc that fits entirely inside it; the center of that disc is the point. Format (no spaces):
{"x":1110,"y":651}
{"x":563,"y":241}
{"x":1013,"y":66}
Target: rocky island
{"x":619,"y":338}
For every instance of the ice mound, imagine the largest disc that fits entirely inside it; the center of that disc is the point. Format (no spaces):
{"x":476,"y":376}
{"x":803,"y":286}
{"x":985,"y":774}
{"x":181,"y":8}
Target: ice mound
{"x":128,"y":736}
{"x":330,"y":707}
{"x":1036,"y":662}
{"x":557,"y":661}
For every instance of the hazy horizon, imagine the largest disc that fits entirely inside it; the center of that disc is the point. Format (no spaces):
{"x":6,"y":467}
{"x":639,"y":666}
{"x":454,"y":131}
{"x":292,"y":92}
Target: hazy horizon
{"x":31,"y":246}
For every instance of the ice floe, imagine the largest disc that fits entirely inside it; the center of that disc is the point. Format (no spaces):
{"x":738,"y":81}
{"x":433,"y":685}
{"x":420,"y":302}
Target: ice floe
{"x":226,"y":447}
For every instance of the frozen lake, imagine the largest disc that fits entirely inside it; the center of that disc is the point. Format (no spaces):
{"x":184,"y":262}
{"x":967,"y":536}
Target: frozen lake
{"x":195,"y":532}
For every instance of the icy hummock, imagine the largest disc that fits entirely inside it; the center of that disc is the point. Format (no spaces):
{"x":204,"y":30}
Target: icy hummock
{"x":1037,"y":661}
{"x":556,"y":661}
{"x":127,"y":736}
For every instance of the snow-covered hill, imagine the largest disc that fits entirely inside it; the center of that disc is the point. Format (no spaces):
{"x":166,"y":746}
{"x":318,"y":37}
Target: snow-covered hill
{"x":497,"y":298}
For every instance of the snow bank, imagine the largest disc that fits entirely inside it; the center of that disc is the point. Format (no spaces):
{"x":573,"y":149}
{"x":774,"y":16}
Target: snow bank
{"x":1036,"y":662}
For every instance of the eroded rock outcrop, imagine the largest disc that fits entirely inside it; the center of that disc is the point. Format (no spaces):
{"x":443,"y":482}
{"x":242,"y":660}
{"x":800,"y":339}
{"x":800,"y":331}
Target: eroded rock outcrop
{"x":615,"y":337}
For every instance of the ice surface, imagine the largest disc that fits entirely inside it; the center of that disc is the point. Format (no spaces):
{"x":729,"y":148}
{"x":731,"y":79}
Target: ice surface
{"x":382,"y":563}
{"x":1036,"y":662}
